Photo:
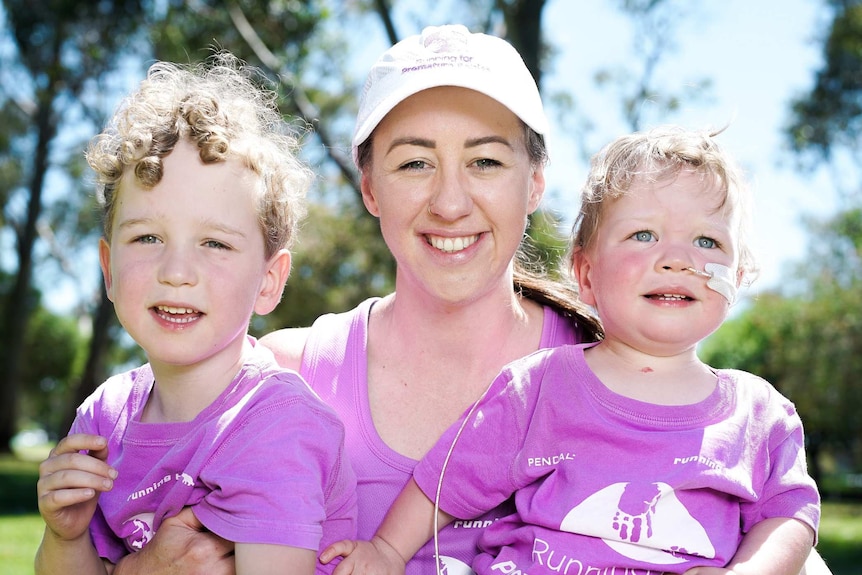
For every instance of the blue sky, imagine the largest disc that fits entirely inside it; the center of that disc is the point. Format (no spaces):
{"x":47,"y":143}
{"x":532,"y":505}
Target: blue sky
{"x":758,"y":55}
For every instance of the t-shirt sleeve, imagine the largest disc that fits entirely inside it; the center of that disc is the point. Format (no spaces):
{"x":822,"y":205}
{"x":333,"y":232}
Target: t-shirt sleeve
{"x":270,"y":480}
{"x":787,"y":489}
{"x":477,"y":457}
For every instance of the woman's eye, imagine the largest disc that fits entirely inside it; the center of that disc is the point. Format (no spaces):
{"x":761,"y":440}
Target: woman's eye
{"x":707,"y":243}
{"x":414,"y":165}
{"x":643,"y":236}
{"x":486,"y":163}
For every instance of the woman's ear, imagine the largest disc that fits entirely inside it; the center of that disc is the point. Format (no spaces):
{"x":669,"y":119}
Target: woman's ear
{"x":368,"y":196}
{"x":581,"y":268}
{"x":537,"y":188}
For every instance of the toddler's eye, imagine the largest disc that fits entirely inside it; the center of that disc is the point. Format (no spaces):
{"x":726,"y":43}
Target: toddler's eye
{"x":703,"y":242}
{"x":643,"y":236}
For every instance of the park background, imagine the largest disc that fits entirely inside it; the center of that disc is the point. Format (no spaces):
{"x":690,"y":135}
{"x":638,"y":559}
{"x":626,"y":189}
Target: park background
{"x":785,"y":76}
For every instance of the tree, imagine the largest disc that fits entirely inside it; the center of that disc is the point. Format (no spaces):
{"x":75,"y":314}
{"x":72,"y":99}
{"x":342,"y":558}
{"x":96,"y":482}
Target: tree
{"x":807,"y":341}
{"x":61,"y":45}
{"x":828,"y":118}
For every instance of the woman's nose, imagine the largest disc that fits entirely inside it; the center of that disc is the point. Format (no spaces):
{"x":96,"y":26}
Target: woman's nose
{"x":451,"y":198}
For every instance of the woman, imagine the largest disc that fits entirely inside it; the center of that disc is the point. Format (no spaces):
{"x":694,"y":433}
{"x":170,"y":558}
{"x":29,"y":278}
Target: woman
{"x":450,"y":143}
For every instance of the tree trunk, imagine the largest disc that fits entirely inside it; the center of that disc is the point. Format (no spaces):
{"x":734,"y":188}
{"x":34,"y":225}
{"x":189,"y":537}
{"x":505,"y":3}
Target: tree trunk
{"x":20,"y":305}
{"x":94,"y":370}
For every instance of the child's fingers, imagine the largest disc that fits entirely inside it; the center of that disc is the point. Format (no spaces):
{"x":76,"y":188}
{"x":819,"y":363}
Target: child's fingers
{"x":80,"y":442}
{"x":341,"y":548}
{"x":53,"y":500}
{"x":71,"y":478}
{"x":67,"y":456}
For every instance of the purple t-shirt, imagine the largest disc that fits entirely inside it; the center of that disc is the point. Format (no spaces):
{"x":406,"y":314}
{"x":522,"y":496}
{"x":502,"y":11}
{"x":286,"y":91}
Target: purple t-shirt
{"x":264,"y":463}
{"x":334,"y":363}
{"x":605,"y":482}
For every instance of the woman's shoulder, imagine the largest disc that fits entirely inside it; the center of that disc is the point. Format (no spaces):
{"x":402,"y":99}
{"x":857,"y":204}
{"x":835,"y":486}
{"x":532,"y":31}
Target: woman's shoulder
{"x":287,"y":345}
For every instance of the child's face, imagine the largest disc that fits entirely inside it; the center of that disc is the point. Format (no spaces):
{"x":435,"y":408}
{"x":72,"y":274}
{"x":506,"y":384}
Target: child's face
{"x":635,"y":275}
{"x":185,"y":267}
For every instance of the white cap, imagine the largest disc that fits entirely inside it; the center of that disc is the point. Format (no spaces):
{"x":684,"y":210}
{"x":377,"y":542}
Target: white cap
{"x":449,"y":56}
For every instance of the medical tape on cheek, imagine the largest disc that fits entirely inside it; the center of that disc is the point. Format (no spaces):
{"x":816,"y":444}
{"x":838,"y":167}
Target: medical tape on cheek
{"x":723,"y":280}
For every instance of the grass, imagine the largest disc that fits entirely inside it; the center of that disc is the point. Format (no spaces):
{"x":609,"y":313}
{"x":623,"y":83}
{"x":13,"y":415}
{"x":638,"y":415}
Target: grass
{"x":841,"y":537}
{"x":21,"y":527}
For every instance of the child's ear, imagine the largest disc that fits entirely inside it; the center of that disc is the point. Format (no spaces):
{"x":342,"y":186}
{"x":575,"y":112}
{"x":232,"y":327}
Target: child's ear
{"x":740,"y":277}
{"x":105,"y":263}
{"x":582,"y":268}
{"x":272,"y":285}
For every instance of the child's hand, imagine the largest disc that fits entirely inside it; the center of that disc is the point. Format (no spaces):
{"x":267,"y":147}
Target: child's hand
{"x":375,"y":557}
{"x":70,"y":482}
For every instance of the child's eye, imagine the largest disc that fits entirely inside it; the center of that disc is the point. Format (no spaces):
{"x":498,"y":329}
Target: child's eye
{"x":146,"y":239}
{"x":216,"y":244}
{"x":703,"y":242}
{"x":643,"y":236}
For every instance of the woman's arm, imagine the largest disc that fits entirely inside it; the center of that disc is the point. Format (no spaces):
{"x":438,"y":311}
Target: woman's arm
{"x":815,"y":565}
{"x":287,"y":345}
{"x":408,"y":524}
{"x":259,"y":559}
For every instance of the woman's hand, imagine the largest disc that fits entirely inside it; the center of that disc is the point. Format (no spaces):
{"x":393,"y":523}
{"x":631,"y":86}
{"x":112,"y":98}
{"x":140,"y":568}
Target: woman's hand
{"x":182,"y":545}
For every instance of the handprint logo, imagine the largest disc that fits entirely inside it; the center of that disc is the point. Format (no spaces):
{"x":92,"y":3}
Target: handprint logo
{"x":633,"y":517}
{"x":642,"y":521}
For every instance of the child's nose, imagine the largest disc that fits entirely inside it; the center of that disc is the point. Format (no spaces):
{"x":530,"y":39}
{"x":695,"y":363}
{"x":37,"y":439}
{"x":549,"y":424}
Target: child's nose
{"x":177,"y":267}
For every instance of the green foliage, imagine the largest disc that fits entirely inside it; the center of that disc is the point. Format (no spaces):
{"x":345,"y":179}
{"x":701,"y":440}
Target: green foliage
{"x":339,"y":260}
{"x":830,"y":115}
{"x":809,"y":343}
{"x":54,"y":351}
{"x":840,"y":542}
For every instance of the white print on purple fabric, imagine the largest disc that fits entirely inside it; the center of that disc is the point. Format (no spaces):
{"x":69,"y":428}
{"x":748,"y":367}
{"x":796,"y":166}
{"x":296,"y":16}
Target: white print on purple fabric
{"x":642,"y":521}
{"x":138,"y":530}
{"x":546,"y":461}
{"x":451,"y":566}
{"x":184,"y":477}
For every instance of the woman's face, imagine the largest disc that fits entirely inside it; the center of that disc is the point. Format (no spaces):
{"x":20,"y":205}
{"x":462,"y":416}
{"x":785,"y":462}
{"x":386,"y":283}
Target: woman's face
{"x":452,"y":184}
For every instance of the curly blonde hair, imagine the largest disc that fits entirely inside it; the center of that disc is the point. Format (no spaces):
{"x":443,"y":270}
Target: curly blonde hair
{"x":657,"y":155}
{"x":217,"y":106}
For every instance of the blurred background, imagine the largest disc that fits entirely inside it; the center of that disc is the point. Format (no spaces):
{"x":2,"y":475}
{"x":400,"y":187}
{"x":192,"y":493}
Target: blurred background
{"x":784,"y":76}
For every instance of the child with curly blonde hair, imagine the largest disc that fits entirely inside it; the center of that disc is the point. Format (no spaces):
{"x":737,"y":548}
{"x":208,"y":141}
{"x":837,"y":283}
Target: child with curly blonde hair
{"x":202,"y":193}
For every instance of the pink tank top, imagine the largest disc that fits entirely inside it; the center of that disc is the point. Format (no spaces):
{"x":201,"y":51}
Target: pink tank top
{"x":334,"y":364}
